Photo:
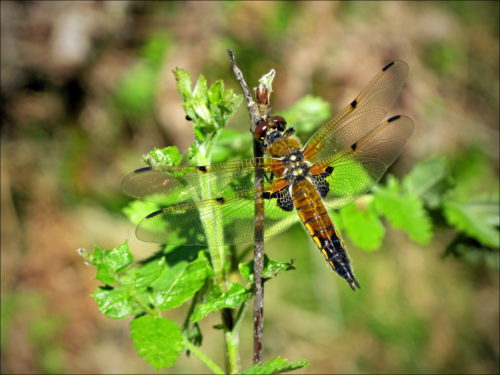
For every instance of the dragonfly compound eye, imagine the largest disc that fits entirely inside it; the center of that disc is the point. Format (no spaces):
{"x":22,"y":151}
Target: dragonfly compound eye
{"x":260,"y":130}
{"x":279,"y":123}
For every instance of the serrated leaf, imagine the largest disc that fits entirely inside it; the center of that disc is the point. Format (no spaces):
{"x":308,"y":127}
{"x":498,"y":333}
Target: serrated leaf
{"x":424,"y":176}
{"x":183,"y":81}
{"x":144,"y":276}
{"x":179,"y":283}
{"x":232,"y":298}
{"x":109,"y":262}
{"x":201,"y":88}
{"x":222,"y":103}
{"x":271,"y":269}
{"x":363,"y":226}
{"x":404,"y":211}
{"x":167,"y":156}
{"x":478,"y":220}
{"x":158,"y":340}
{"x":276,"y":366}
{"x":115,"y":303}
{"x":202,"y":113}
{"x":215,"y":93}
{"x":116,"y":259}
{"x":105,"y":275}
{"x":209,"y":108}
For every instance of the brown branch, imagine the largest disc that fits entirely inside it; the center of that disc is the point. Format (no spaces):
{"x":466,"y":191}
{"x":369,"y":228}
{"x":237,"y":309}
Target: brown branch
{"x":251,"y":105}
{"x":258,"y":307}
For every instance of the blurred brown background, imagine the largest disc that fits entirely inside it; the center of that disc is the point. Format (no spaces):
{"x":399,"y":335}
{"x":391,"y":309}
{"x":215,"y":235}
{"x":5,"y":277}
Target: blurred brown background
{"x":86,"y":89}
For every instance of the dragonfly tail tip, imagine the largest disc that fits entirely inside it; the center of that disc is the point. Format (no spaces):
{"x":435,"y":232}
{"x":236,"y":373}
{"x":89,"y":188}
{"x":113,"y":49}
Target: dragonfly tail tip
{"x":356,"y":282}
{"x":353,"y":283}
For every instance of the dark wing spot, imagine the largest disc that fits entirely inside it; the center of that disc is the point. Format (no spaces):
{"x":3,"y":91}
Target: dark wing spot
{"x":152,"y":214}
{"x":202,"y":168}
{"x":143,"y":169}
{"x":394,"y":118}
{"x":188,"y":118}
{"x":354,"y":146}
{"x":329,"y":170}
{"x":388,"y":66}
{"x":321,"y":185}
{"x":285,"y":201}
{"x":354,"y":103}
{"x":220,"y":200}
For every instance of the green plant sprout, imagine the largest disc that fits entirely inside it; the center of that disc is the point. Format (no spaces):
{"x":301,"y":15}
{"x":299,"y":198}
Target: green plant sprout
{"x":431,"y":194}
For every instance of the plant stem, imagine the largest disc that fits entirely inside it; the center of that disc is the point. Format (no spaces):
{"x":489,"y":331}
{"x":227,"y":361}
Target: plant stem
{"x":232,"y":348}
{"x":212,"y":223}
{"x":251,"y":105}
{"x":212,"y":226}
{"x":259,"y":221}
{"x":258,"y":255}
{"x":207,"y":361}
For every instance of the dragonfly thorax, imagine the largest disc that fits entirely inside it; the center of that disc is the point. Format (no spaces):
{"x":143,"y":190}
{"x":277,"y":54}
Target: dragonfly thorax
{"x":295,"y":167}
{"x":284,"y":146}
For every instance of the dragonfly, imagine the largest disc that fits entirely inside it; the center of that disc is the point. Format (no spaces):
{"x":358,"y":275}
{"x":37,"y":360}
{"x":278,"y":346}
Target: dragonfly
{"x":340,"y":162}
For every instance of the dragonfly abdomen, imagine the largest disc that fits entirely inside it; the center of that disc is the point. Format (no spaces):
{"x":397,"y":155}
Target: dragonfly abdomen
{"x":318,"y":223}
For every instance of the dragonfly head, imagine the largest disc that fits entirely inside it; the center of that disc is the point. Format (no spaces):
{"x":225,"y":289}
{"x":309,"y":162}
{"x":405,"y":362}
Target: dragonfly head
{"x":270,"y":129}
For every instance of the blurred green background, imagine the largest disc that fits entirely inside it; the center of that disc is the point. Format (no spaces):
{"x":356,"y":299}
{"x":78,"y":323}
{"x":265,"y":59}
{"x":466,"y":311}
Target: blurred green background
{"x":87,"y":88}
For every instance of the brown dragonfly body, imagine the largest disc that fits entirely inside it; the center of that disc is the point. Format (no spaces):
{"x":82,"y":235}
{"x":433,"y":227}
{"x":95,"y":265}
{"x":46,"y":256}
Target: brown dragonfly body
{"x":305,"y":193}
{"x":340,"y":162}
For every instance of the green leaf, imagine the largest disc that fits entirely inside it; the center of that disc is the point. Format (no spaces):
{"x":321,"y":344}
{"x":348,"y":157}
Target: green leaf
{"x":115,"y":303}
{"x":404,"y":211}
{"x":307,"y":113}
{"x":363,"y":225}
{"x":179,"y":283}
{"x":158,"y":340}
{"x":222,"y":103}
{"x":231,"y":144}
{"x":232,"y":298}
{"x":478,"y":220}
{"x":429,"y":180}
{"x":167,"y":156}
{"x":209,"y":108}
{"x":105,"y":275}
{"x":144,"y":276}
{"x":183,"y":81}
{"x":116,"y":259}
{"x":474,"y":175}
{"x":271,"y":269}
{"x":276,"y":366}
{"x":109,"y":262}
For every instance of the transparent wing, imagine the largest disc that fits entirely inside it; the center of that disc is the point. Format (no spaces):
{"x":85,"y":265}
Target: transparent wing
{"x":361,"y":116}
{"x":351,"y":172}
{"x":181,"y":183}
{"x":220,"y":221}
{"x":230,"y":219}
